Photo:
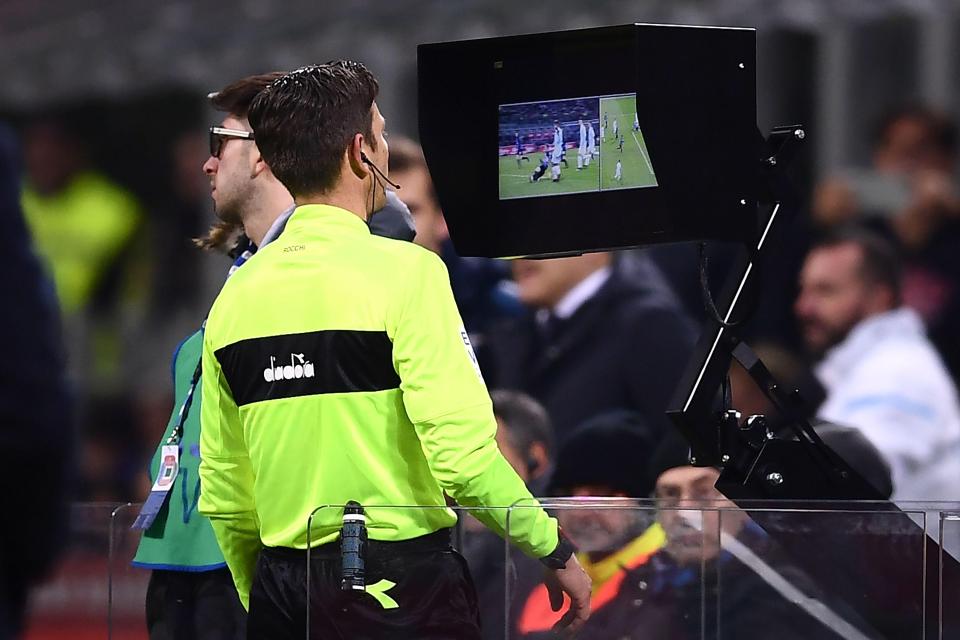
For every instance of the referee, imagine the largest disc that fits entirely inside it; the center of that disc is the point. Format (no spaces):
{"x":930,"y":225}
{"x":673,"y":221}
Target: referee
{"x":336,"y":369}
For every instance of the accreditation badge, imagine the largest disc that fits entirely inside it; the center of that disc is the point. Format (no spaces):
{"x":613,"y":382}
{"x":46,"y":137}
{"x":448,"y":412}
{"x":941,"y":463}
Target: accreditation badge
{"x":166,"y":475}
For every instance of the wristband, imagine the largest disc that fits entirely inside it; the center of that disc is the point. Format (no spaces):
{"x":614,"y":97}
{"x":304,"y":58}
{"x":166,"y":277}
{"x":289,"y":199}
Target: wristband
{"x":557,"y":559}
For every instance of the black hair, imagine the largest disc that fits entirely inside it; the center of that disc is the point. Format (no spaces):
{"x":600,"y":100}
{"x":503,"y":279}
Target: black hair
{"x":304,"y":120}
{"x":526,"y":421}
{"x":236,"y":97}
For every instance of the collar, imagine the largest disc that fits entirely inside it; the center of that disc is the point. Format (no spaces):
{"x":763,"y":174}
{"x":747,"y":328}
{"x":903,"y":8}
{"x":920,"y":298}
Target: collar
{"x":585,"y":290}
{"x":277,"y":227}
{"x":633,"y":554}
{"x":329,"y":216}
{"x":865,"y":336}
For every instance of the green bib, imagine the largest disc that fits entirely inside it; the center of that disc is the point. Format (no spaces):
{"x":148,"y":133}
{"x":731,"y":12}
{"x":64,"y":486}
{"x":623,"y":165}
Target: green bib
{"x":181,"y":539}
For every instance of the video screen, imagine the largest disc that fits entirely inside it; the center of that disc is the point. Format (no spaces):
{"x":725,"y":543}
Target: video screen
{"x":576,"y":145}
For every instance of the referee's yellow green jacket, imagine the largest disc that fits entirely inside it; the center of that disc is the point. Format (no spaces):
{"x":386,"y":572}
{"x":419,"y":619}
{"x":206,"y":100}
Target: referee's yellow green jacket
{"x":336,"y":368}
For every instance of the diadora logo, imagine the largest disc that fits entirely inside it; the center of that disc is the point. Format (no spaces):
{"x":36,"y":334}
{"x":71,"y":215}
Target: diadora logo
{"x":298,"y":368}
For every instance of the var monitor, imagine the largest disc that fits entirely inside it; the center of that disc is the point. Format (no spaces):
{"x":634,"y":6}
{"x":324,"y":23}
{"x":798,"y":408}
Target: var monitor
{"x":594,"y":139}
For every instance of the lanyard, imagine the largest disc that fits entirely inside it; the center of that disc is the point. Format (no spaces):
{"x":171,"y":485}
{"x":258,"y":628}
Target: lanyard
{"x":276,"y":229}
{"x":177,"y":434}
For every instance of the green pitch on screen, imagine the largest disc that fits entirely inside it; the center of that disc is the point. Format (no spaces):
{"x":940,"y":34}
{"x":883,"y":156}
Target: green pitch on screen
{"x":636,"y":167}
{"x":515,"y":180}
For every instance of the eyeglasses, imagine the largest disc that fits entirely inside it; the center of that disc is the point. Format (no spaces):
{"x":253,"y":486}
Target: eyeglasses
{"x":219,"y":135}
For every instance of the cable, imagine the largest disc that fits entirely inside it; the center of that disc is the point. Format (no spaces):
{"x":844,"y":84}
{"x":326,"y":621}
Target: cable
{"x":708,"y":302}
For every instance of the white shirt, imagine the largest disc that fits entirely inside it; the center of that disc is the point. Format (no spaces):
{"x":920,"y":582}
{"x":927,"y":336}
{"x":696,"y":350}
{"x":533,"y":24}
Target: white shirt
{"x":887,"y":379}
{"x":277,"y":226}
{"x":583,"y":291}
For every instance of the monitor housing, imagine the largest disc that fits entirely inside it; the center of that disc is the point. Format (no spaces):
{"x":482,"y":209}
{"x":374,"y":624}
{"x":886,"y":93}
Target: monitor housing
{"x":691,"y":128}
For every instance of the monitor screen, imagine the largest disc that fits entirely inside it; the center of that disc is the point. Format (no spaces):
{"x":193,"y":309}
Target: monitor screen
{"x":573,"y":145}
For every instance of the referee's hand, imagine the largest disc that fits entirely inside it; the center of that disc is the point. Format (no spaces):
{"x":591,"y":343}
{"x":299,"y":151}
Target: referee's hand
{"x":573,"y":581}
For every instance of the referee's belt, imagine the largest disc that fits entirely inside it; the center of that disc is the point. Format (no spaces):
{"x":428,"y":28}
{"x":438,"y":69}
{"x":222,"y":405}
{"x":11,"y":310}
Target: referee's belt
{"x":439,"y":540}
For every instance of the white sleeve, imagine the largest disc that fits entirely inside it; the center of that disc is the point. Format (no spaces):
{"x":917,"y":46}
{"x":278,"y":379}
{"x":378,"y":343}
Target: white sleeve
{"x":901,"y":405}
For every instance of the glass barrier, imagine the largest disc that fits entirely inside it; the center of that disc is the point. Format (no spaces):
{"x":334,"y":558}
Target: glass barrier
{"x":948,"y":588}
{"x":93,"y":592}
{"x":661,"y":569}
{"x":709,"y":569}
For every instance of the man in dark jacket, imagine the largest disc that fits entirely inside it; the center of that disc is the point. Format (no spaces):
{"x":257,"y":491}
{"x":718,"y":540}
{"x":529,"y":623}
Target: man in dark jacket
{"x":719,"y":575}
{"x":599,"y":335}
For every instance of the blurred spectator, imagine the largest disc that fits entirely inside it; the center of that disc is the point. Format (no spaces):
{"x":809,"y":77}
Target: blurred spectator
{"x":81,"y":222}
{"x":36,"y":435}
{"x":880,"y":372}
{"x":524,"y":435}
{"x":87,"y":230}
{"x":600,"y":458}
{"x":481,"y":287}
{"x":909,"y":182}
{"x":911,"y":194}
{"x":597,"y":337}
{"x":525,"y":438}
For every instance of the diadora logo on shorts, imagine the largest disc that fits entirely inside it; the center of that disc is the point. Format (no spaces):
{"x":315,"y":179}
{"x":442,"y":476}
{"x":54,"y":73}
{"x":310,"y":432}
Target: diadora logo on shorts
{"x":298,"y":368}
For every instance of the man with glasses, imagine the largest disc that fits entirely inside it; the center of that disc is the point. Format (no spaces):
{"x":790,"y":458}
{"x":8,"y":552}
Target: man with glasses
{"x":191,"y":593}
{"x":392,"y":410}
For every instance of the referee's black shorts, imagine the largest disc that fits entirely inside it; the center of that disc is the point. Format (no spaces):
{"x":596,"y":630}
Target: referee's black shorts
{"x":433,"y":597}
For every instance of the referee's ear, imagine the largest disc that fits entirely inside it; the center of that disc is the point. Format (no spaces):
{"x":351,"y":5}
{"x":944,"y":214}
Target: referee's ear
{"x":355,"y":157}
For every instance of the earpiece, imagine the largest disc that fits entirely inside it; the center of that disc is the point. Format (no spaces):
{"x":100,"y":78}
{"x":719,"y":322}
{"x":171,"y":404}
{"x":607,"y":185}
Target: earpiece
{"x":364,"y":159}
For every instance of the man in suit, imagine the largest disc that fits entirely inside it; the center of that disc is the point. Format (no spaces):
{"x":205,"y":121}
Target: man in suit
{"x":601,"y":333}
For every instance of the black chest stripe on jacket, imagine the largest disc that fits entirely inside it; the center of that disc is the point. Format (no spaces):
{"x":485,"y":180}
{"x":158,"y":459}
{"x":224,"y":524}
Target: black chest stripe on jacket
{"x":304,"y":364}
